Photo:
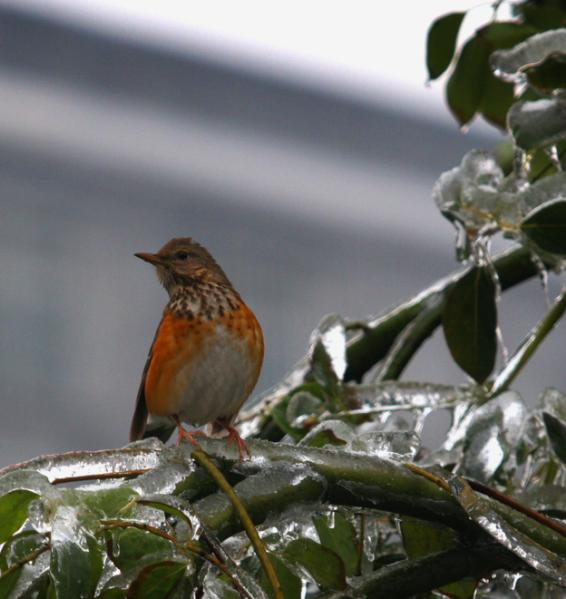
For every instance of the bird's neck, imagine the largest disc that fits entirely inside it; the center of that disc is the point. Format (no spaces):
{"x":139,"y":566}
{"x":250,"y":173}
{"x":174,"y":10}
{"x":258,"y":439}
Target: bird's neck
{"x":203,"y":299}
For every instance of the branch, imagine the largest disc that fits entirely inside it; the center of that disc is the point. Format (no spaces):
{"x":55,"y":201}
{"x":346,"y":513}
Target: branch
{"x":351,"y":479}
{"x":245,"y":519}
{"x":513,"y":267}
{"x":528,"y":347}
{"x":410,"y":577}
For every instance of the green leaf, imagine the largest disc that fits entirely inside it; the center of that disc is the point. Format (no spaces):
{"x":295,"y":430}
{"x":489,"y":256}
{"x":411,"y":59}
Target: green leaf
{"x":469,"y":322}
{"x":290,"y":583}
{"x":528,"y":55}
{"x":543,"y":17}
{"x":421,"y":538}
{"x":13,"y":512}
{"x":157,"y":581}
{"x":321,"y":563}
{"x":8,"y":582}
{"x":169,"y":505}
{"x":546,"y":227}
{"x":518,"y":540}
{"x":76,"y":560}
{"x":465,"y":88}
{"x":337,"y":533}
{"x":279,"y":416}
{"x":549,"y":75}
{"x":501,"y":35}
{"x":496,"y":100}
{"x":112,"y":594}
{"x":18,"y":547}
{"x":109,"y":503}
{"x":539,"y":123}
{"x":441,"y":43}
{"x":322,"y":437}
{"x":556,"y":430}
{"x":321,"y":370}
{"x":132,"y":544}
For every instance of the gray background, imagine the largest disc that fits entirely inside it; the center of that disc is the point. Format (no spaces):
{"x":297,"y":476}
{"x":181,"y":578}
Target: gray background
{"x":312,"y":203}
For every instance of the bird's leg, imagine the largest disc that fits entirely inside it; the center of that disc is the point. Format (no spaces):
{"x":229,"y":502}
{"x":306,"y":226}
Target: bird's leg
{"x":185,"y":434}
{"x":234,"y":437}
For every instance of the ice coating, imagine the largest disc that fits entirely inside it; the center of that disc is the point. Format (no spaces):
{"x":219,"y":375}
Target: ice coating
{"x":511,"y":64}
{"x":538,"y":123}
{"x":332,"y":334}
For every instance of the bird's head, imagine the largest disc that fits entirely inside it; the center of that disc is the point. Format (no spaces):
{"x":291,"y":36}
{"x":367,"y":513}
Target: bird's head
{"x":182,"y":262}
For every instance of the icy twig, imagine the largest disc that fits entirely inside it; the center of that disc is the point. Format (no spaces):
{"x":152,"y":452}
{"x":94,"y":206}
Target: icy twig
{"x":245,"y":519}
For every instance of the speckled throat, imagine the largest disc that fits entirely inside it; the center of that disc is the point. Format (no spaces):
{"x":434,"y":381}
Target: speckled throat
{"x":206,"y":300}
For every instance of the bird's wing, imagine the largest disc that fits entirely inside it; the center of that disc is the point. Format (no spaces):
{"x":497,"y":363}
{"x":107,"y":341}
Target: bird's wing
{"x":141,"y":427}
{"x":139,"y":420}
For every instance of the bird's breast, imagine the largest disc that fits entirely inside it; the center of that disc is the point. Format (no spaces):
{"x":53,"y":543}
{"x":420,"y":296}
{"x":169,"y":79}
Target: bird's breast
{"x":202,"y":367}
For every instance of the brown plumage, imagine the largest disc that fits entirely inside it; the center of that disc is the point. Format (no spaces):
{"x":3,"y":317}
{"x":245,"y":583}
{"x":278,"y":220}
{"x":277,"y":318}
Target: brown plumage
{"x":207,"y":352}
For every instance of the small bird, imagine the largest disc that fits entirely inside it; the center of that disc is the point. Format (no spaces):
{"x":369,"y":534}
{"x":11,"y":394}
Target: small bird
{"x":207,"y":352}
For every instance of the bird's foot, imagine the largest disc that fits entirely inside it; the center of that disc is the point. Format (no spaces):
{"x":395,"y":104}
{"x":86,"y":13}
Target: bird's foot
{"x":183,"y":434}
{"x":234,"y":437}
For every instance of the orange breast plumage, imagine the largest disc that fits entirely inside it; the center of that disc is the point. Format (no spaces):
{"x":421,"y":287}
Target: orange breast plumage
{"x":206,"y":358}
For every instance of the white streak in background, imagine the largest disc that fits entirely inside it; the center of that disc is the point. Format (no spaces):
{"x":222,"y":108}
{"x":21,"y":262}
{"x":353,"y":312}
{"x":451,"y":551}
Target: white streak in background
{"x":241,"y":166}
{"x":359,"y":48}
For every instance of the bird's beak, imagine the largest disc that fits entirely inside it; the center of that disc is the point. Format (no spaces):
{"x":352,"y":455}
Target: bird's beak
{"x":154,"y":259}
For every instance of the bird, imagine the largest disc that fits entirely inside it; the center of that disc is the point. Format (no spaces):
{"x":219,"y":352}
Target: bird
{"x":207,"y":352}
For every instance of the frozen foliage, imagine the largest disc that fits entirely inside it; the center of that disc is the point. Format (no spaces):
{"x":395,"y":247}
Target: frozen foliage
{"x":340,"y":497}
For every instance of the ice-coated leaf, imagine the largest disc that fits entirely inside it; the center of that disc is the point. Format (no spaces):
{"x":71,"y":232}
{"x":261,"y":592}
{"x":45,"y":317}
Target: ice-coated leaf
{"x":141,"y":455}
{"x":441,"y":43}
{"x":421,"y":538}
{"x":13,"y":512}
{"x":19,"y":547}
{"x":328,"y":351}
{"x":172,"y":506}
{"x":471,"y":193}
{"x":547,"y":190}
{"x":289,"y":581}
{"x":131,"y":544}
{"x":550,"y":499}
{"x":325,"y":566}
{"x":279,"y":416}
{"x":25,"y":480}
{"x":465,"y":87}
{"x":400,"y":446}
{"x":485,"y":448}
{"x":329,"y":432}
{"x":542,"y":560}
{"x":109,"y":503}
{"x":337,"y":533}
{"x":539,"y":123}
{"x":469,"y":322}
{"x":510,"y":64}
{"x":482,"y":437}
{"x":546,"y":226}
{"x":33,"y":580}
{"x":8,"y":582}
{"x":556,"y":430}
{"x":157,"y":581}
{"x":549,"y":75}
{"x":76,"y":562}
{"x":300,"y":407}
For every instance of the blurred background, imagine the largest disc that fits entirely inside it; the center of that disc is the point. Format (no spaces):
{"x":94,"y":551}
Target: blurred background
{"x":298,"y":142}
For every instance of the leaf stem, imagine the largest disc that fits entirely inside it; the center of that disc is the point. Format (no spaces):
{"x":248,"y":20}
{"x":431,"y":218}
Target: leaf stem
{"x":25,"y":560}
{"x":528,"y":347}
{"x":200,"y":456}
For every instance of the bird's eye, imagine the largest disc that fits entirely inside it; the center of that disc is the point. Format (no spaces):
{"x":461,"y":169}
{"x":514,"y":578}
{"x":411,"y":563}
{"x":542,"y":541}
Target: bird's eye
{"x":181,"y":255}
